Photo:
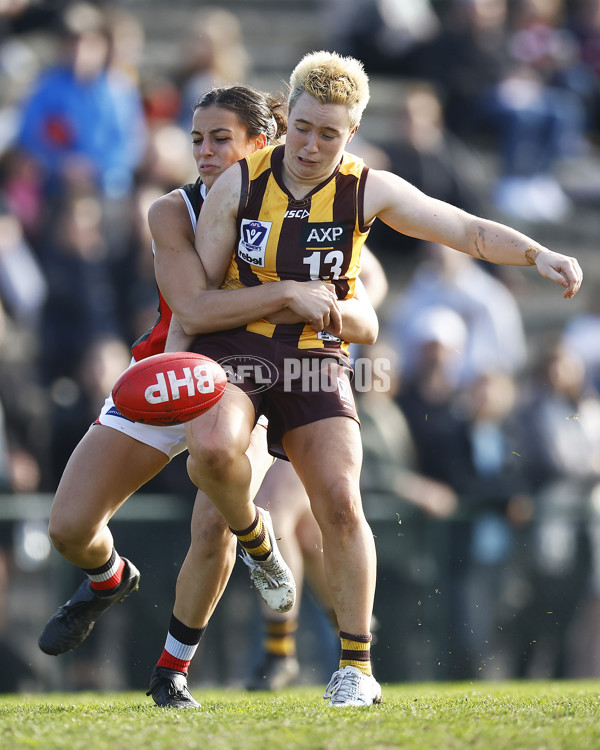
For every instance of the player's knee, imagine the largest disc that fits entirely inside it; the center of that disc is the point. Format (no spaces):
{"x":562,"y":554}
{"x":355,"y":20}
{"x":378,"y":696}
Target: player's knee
{"x":341,"y":510}
{"x":66,"y":534}
{"x":215,"y":460}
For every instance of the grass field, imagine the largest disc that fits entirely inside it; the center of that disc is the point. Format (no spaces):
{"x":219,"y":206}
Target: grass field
{"x":486,"y":716}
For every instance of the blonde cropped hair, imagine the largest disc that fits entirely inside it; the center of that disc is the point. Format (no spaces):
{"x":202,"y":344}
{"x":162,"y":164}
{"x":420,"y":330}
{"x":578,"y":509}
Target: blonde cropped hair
{"x":331,"y":79}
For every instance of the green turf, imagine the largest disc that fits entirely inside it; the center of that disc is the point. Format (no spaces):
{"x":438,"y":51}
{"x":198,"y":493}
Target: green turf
{"x":478,"y":716}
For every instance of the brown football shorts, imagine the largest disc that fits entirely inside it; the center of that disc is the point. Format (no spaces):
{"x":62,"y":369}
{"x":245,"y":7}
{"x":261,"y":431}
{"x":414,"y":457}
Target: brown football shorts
{"x":292,"y":387}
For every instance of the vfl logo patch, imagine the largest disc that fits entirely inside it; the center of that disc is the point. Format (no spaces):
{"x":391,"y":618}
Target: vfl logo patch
{"x":324,"y":336}
{"x":345,"y":391}
{"x":253,"y":241}
{"x":324,"y":234}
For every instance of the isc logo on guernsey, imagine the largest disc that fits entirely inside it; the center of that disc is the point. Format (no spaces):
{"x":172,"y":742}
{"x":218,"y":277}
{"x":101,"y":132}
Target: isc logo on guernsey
{"x":168,"y":385}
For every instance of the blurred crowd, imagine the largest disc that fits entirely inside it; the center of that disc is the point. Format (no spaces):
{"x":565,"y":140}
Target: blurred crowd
{"x":486,"y":446}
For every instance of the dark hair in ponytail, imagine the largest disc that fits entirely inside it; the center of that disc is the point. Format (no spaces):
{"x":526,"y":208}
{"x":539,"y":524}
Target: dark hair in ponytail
{"x":257,"y":111}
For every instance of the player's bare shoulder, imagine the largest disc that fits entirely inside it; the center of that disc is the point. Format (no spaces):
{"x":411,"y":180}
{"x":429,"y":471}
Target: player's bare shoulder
{"x":169,"y":213}
{"x":170,"y":204}
{"x":379,"y":189}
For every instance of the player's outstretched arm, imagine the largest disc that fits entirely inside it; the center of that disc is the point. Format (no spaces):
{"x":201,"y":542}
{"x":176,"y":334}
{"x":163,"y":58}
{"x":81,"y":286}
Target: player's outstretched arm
{"x":408,"y":210}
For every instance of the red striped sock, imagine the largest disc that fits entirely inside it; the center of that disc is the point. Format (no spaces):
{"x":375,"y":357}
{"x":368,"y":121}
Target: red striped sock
{"x":107,"y":576}
{"x":180,"y":646}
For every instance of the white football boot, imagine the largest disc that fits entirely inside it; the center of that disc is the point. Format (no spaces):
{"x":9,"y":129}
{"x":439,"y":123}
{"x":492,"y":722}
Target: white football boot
{"x":351,"y":687}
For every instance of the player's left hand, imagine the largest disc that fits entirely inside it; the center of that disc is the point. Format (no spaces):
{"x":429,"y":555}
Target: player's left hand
{"x":563,"y":269}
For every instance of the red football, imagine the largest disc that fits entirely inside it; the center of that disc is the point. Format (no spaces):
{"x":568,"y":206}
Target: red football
{"x":169,"y":388}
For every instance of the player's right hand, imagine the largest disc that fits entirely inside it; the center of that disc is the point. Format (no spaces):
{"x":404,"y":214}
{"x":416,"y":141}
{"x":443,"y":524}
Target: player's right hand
{"x":314,"y":303}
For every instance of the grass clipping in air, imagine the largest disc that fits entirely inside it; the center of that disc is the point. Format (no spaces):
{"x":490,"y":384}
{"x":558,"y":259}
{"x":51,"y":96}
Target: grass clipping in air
{"x":486,"y":716}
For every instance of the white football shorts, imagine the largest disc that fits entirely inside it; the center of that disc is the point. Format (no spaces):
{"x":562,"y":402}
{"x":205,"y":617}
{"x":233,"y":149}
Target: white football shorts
{"x":169,"y":439}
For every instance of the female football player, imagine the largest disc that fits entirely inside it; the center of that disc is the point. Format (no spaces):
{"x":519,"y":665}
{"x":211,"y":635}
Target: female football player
{"x":303,"y":210}
{"x":116,"y":456}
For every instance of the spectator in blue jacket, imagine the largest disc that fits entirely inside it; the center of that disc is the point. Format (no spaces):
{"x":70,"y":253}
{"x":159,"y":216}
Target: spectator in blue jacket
{"x":84,"y":117}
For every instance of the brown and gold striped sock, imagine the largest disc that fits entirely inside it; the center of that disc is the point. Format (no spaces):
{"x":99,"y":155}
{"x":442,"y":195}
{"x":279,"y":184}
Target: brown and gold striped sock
{"x":280,"y":637}
{"x":255,"y":539}
{"x":356,"y":651}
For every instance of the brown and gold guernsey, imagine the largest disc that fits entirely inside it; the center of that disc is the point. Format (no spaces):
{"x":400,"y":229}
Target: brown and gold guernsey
{"x":280,"y":238}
